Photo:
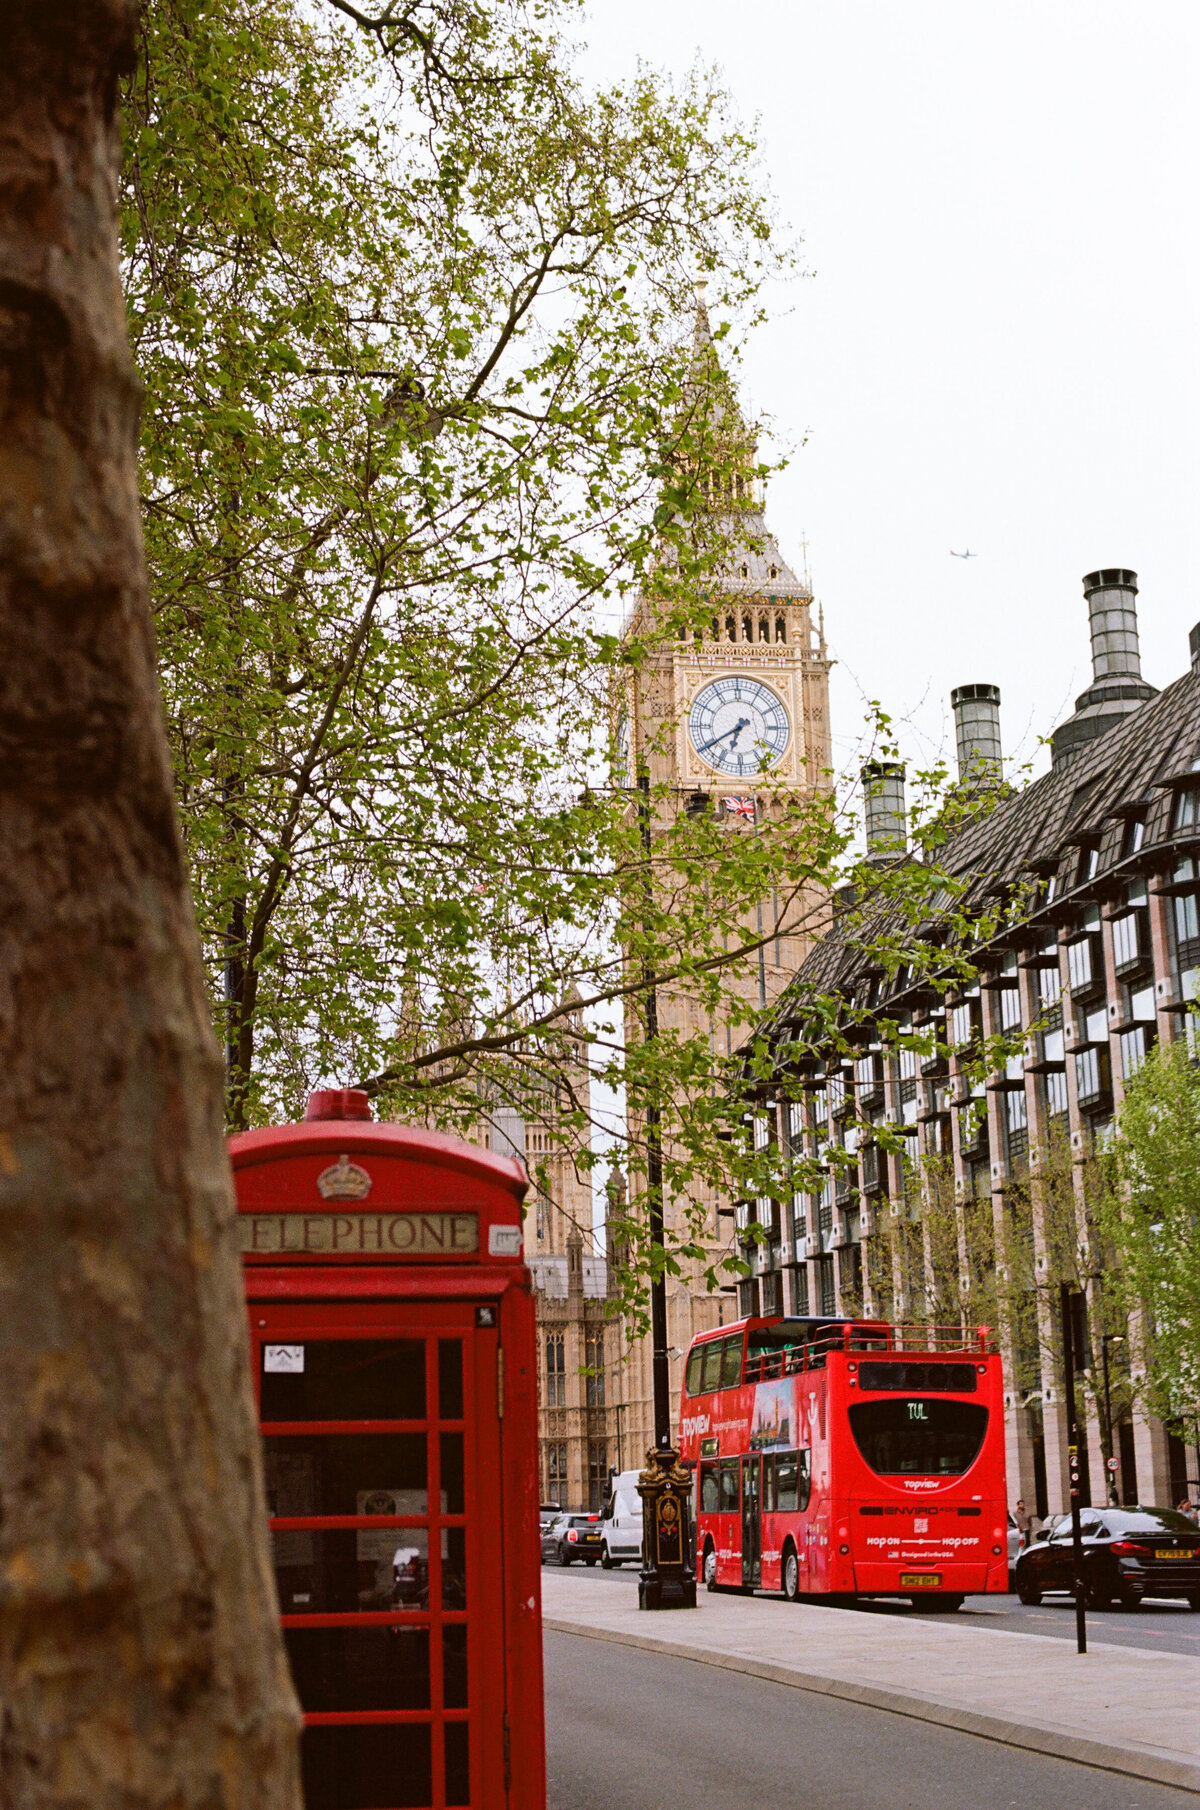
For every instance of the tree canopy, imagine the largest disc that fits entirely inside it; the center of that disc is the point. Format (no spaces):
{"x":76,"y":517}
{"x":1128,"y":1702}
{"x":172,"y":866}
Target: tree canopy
{"x":414,"y":308}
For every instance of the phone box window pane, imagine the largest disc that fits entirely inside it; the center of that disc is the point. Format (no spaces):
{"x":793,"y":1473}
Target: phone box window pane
{"x":359,"y":1668}
{"x":450,"y":1379}
{"x":367,"y":1765}
{"x":345,"y":1474}
{"x":344,"y":1379}
{"x":458,"y":1768}
{"x":454,"y":1665}
{"x":454,"y":1568}
{"x":452,"y":1474}
{"x":350,"y":1571}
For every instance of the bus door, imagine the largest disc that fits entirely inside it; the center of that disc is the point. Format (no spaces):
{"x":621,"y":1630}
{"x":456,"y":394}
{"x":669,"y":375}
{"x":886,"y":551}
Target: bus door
{"x":377,"y":1438}
{"x":751,"y":1521}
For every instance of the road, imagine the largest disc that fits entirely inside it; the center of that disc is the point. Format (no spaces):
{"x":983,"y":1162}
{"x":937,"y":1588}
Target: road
{"x":1161,"y":1627}
{"x":628,"y":1730}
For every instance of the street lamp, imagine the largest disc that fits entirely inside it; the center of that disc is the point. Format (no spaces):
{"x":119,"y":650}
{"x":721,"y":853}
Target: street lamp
{"x":1109,"y":1338}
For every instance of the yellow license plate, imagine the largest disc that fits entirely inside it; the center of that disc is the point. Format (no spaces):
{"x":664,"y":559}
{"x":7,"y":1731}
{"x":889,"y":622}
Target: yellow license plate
{"x":1172,"y":1555}
{"x":920,"y":1580}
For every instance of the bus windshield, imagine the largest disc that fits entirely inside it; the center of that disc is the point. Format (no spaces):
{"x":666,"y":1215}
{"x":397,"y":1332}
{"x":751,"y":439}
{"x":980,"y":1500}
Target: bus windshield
{"x":918,"y":1437}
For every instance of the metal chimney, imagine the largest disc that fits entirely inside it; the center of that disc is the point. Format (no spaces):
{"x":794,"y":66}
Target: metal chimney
{"x":883,"y":809}
{"x":1117,"y":684}
{"x":977,"y":733}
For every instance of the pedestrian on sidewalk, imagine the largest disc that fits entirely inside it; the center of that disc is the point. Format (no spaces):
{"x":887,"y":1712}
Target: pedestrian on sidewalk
{"x":1024,"y":1521}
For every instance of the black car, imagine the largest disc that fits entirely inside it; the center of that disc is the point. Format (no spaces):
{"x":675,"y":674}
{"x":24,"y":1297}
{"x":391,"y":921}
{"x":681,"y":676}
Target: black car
{"x":571,"y":1537}
{"x":1128,"y":1553}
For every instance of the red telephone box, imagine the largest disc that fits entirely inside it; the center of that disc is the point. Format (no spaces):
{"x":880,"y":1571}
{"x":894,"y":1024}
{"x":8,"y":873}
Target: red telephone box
{"x":392,"y":1322}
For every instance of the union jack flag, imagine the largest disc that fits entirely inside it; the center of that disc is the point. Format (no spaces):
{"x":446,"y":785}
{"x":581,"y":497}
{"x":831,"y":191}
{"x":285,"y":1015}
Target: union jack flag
{"x":740,"y":807}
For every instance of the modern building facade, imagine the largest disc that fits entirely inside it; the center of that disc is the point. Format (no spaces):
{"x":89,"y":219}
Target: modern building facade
{"x":1091,"y":875}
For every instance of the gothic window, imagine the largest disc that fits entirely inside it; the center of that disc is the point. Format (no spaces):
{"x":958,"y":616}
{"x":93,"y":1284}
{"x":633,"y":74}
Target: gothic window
{"x":764,"y":629}
{"x":780,"y":629}
{"x":773,"y":571}
{"x":594,"y":1348}
{"x":597,"y":1474}
{"x":556,"y":1471}
{"x":556,"y":1376}
{"x":747,"y":629}
{"x":745,"y":571}
{"x":731,"y":627}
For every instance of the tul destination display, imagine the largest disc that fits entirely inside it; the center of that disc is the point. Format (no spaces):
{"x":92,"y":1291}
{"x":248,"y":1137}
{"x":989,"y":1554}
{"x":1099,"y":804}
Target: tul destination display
{"x":358,"y":1234}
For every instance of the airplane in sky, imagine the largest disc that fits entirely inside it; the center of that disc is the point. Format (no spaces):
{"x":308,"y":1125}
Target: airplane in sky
{"x":967,"y":555}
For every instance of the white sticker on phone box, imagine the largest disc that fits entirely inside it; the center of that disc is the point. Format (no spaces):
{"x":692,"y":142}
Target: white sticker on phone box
{"x":504,"y":1241}
{"x":283,"y":1360}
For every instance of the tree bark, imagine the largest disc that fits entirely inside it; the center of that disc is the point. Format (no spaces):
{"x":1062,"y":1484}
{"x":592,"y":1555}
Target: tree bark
{"x":140,"y":1658}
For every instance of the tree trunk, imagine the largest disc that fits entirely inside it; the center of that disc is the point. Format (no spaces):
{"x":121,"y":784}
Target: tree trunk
{"x":140,"y":1658}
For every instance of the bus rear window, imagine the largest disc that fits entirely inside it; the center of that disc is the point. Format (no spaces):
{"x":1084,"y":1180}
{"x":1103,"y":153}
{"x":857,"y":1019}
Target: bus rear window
{"x":916,"y":1438}
{"x":912,"y":1378}
{"x":691,"y":1381}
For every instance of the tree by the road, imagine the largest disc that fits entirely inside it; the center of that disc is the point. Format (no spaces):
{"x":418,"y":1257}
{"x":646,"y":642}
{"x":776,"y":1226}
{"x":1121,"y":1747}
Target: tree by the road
{"x":1150,"y":1217}
{"x":140,"y":1657}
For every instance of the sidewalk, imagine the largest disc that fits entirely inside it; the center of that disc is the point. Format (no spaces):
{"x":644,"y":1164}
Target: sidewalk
{"x":1120,"y":1708}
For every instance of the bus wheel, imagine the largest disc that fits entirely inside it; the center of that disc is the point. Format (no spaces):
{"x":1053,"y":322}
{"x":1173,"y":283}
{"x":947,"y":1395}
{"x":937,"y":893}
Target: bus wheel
{"x":941,"y":1602}
{"x":710,"y":1568}
{"x":791,"y":1574}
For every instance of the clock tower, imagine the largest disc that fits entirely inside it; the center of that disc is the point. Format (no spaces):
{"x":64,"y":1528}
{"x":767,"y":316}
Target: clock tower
{"x":738,"y":709}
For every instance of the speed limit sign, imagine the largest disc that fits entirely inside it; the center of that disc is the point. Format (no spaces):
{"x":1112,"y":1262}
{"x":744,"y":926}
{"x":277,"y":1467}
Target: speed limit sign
{"x":1112,"y":1464}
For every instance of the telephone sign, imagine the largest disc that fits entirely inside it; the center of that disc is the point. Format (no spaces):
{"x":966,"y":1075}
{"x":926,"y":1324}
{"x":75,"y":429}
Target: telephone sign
{"x":391,"y":1317}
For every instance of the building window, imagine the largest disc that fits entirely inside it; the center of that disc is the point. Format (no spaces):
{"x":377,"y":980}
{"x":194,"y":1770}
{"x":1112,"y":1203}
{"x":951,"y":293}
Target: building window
{"x":1187,"y":809}
{"x":1127,"y":940}
{"x":1135,"y":835}
{"x":802,"y":1289}
{"x":1017,"y":1125}
{"x":1081,"y":968}
{"x":1056,"y":1093}
{"x":1010,"y":1009}
{"x":780,"y":629}
{"x":1091,"y":1078}
{"x":1187,"y":930}
{"x":594,"y":1346}
{"x":556,"y":1371}
{"x":1133,"y":1050}
{"x":826,"y":1285}
{"x":597,"y":1482}
{"x":556,"y":1472}
{"x":772,"y":1292}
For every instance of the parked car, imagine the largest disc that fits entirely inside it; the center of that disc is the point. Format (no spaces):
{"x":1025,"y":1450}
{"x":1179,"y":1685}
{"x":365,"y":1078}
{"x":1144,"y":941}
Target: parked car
{"x":621,"y":1528}
{"x":570,"y":1537}
{"x":547,"y":1512}
{"x":1128,"y":1553}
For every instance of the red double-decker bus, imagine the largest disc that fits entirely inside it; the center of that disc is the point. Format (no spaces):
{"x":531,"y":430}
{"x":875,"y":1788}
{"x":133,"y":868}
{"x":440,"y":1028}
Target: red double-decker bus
{"x":848,"y":1458}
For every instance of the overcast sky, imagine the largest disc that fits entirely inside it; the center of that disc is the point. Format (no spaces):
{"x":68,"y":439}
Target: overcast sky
{"x":996,"y":348}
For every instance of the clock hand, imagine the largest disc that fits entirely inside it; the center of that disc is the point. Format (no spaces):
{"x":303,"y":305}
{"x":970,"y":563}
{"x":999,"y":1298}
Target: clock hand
{"x":734,"y":732}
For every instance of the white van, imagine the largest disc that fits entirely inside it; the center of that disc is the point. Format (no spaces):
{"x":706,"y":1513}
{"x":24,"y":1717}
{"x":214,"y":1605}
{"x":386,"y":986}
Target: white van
{"x":621,"y":1528}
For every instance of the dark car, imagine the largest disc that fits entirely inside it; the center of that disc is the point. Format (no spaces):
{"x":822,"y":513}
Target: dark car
{"x":571,"y":1537}
{"x":1128,"y":1553}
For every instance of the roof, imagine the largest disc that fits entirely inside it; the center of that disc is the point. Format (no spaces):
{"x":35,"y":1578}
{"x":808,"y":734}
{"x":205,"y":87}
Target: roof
{"x":1035,"y":834}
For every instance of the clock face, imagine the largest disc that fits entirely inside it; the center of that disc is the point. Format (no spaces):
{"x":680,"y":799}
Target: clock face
{"x":739,"y":725}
